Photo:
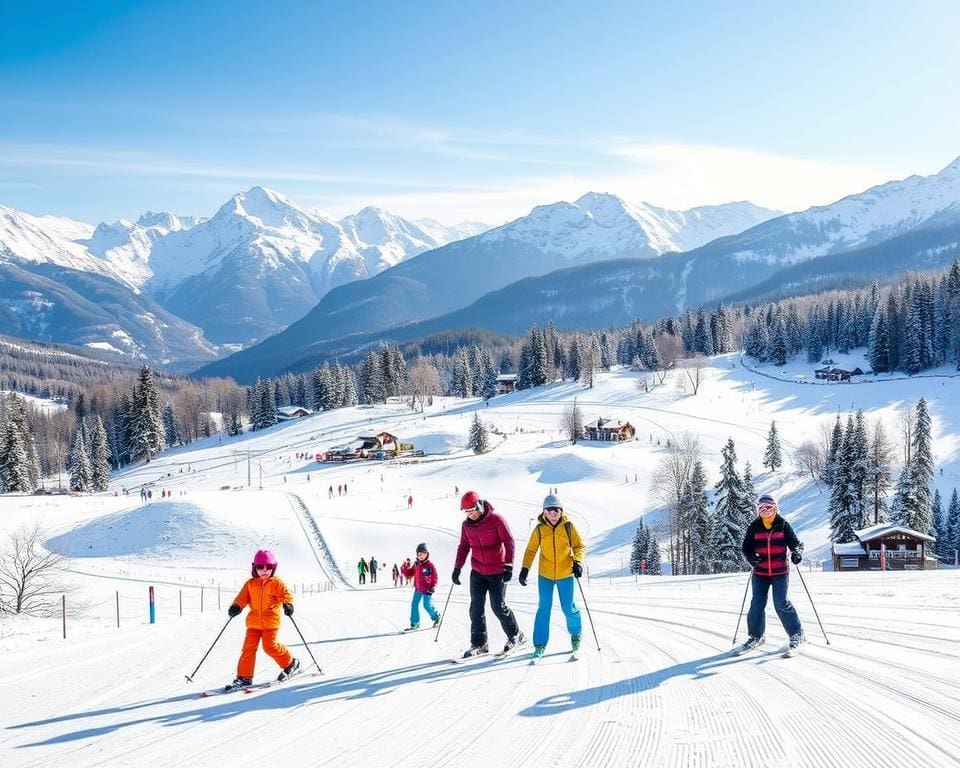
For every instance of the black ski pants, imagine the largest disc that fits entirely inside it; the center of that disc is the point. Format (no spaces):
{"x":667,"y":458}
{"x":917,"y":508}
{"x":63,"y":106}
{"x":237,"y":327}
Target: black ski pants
{"x":480,"y":587}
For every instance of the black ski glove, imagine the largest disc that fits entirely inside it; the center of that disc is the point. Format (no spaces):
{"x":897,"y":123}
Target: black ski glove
{"x":456,"y":576}
{"x":234,"y":610}
{"x":288,"y":609}
{"x":522,"y":578}
{"x":577,"y":569}
{"x":796,"y":557}
{"x":756,"y":560}
{"x":507,"y":573}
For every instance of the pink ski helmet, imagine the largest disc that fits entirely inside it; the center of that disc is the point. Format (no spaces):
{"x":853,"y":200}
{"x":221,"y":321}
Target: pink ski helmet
{"x":263,"y":557}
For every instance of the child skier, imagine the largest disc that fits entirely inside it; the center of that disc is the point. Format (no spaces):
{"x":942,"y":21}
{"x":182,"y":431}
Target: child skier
{"x":561,"y":555}
{"x":265,"y":594}
{"x":424,"y":576}
{"x":765,"y":548}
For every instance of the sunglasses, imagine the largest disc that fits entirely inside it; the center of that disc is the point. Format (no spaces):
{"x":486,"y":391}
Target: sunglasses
{"x":264,"y":567}
{"x":552,"y":510}
{"x":766,"y":508}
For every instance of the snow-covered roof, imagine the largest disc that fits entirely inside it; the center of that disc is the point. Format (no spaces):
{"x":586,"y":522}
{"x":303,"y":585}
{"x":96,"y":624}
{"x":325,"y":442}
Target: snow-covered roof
{"x":885,"y":529}
{"x":506,"y":377}
{"x":292,"y":410}
{"x":602,"y":423}
{"x":849,"y":549}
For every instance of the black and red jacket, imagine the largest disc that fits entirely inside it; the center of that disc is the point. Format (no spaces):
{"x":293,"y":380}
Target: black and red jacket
{"x":766,"y":550}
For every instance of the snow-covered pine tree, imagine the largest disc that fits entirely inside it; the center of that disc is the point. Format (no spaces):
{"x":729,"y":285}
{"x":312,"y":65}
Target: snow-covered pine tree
{"x":748,"y":511}
{"x":859,"y":470}
{"x":80,"y":471}
{"x":640,"y":548}
{"x":701,"y":533}
{"x":653,"y":557}
{"x":728,"y":518}
{"x":14,"y":464}
{"x":773,"y":456}
{"x":878,"y":346}
{"x":878,"y":473}
{"x":146,"y":417}
{"x":488,"y":386}
{"x":938,"y":523}
{"x":170,"y":435}
{"x":321,"y":384}
{"x":894,"y":334}
{"x":921,"y":468}
{"x":953,"y":528}
{"x":777,"y":352}
{"x":346,"y":386}
{"x":842,"y":503}
{"x":372,"y":387}
{"x":99,"y":456}
{"x":461,"y":380}
{"x":479,"y":440}
{"x":702,"y":338}
{"x":757,"y":338}
{"x":836,"y":445}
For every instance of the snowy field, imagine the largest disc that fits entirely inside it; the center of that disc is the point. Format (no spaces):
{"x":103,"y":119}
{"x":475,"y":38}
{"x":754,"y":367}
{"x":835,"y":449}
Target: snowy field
{"x":662,"y":690}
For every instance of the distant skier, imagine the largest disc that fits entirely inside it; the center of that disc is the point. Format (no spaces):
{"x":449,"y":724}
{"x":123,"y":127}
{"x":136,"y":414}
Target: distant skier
{"x":409,"y":502}
{"x":362,"y":571}
{"x":265,"y":594}
{"x":397,"y":581}
{"x":424,"y":576}
{"x":561,"y":555}
{"x":486,"y":536}
{"x":765,"y":548}
{"x":374,"y":566}
{"x":407,"y":579}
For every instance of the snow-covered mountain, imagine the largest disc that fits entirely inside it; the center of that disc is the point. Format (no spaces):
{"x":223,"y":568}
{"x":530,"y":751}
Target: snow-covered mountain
{"x":444,"y":234}
{"x":258,"y":264}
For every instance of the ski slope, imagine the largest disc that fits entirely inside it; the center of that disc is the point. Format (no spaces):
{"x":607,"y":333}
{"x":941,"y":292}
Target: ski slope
{"x":663,"y":690}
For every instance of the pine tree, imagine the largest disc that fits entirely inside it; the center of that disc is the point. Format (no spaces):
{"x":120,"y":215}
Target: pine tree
{"x":640,"y":548}
{"x":171,"y":437}
{"x":488,"y":386}
{"x":878,"y":348}
{"x":702,"y":338}
{"x":836,"y":444}
{"x":701,"y":523}
{"x":748,"y":502}
{"x":461,"y":381}
{"x":479,"y":441}
{"x":921,"y":468}
{"x":80,"y":471}
{"x":842,"y":503}
{"x":14,"y":472}
{"x":146,"y":418}
{"x":372,"y":387}
{"x":728,"y":504}
{"x":653,"y":557}
{"x":878,"y":473}
{"x":938,"y":522}
{"x":99,"y":457}
{"x":773,"y":457}
{"x":953,"y":528}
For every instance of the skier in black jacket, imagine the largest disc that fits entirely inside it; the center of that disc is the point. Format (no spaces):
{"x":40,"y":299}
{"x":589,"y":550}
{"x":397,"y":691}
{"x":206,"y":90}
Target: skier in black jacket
{"x":765,"y":547}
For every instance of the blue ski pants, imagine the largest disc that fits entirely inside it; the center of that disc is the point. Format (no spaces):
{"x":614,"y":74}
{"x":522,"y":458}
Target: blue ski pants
{"x":541,"y":624}
{"x":756,"y":618}
{"x":427,"y":606}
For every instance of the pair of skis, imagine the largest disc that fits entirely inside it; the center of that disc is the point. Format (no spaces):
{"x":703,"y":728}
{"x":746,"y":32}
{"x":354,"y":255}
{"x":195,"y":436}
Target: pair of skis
{"x":787,"y":653}
{"x":255,"y":687}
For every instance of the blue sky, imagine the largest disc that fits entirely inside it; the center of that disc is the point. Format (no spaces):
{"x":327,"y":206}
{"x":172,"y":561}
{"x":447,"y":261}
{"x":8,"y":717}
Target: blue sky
{"x":456,"y":110}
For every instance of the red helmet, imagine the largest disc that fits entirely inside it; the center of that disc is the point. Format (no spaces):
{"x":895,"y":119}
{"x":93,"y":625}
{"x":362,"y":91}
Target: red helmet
{"x":470,"y":500}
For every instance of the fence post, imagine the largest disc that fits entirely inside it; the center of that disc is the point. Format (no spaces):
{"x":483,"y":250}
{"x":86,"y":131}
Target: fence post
{"x":63,"y":610}
{"x":201,"y":598}
{"x":153,"y":607}
{"x":181,"y":602}
{"x":118,"y":609}
{"x":218,"y":596}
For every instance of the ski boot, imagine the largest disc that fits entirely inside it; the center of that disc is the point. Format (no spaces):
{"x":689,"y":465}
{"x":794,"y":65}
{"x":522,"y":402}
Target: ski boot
{"x":288,"y":671}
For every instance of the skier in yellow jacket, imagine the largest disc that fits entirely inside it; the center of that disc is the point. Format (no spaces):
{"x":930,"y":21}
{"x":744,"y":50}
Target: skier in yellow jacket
{"x":561,"y":558}
{"x":266,"y":595}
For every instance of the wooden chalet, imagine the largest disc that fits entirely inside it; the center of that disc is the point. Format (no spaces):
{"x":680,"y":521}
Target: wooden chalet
{"x":382,"y":441}
{"x":902,"y":549}
{"x":608,"y":430}
{"x":288,"y":412}
{"x":506,"y":383}
{"x":836,"y":374}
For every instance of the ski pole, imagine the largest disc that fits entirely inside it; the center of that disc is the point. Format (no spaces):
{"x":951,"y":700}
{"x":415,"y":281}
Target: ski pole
{"x":443,"y":613}
{"x":812,"y":605}
{"x":585,"y":605}
{"x":742,"y":604}
{"x":294,"y":622}
{"x":190,"y":676}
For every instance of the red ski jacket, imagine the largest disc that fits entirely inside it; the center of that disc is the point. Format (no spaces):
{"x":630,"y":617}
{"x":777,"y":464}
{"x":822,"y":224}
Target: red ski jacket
{"x":424,"y":575}
{"x":769,"y":547}
{"x":489,"y":542}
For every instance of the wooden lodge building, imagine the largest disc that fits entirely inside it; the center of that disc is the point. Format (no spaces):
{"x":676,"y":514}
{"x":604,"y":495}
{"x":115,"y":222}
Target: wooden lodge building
{"x":902,"y":549}
{"x":607,"y":430}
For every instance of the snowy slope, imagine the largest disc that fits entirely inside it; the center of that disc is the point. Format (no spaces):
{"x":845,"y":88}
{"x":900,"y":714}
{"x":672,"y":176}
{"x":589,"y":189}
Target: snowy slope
{"x":662,"y":691}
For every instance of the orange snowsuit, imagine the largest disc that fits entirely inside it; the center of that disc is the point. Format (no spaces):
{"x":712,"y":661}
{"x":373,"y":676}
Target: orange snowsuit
{"x":266,"y":599}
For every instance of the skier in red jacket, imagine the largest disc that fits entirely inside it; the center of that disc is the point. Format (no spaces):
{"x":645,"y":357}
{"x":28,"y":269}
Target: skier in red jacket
{"x":425,"y":578}
{"x":486,"y":536}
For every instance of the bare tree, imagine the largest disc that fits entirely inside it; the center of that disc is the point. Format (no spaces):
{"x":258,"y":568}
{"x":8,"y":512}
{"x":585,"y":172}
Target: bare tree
{"x":571,"y":422}
{"x":670,"y":349}
{"x":907,"y":423}
{"x":879,"y":463}
{"x":809,"y":457}
{"x":30,"y":577}
{"x":423,"y":381}
{"x":694,"y":372}
{"x":669,"y":483}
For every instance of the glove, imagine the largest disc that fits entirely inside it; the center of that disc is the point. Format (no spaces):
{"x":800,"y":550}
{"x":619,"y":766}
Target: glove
{"x":430,"y":592}
{"x":234,"y":610}
{"x":522,"y":578}
{"x":456,"y":576}
{"x":288,"y":609}
{"x":507,"y":573}
{"x":796,"y":557}
{"x":756,"y":560}
{"x":577,"y":569}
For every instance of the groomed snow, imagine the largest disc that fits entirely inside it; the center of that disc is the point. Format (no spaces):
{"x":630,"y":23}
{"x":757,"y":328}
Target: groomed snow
{"x":662,"y":691}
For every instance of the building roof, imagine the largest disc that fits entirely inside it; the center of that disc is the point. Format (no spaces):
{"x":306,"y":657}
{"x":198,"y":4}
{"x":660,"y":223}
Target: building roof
{"x":506,"y":377}
{"x":290,"y":410}
{"x":602,"y":423}
{"x":849,"y":549}
{"x":885,"y":529}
